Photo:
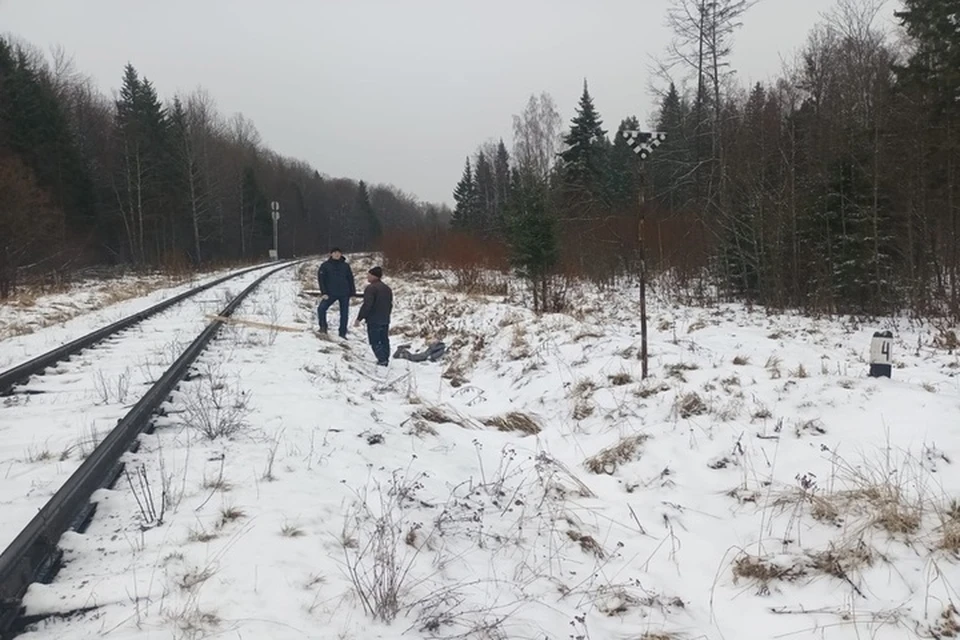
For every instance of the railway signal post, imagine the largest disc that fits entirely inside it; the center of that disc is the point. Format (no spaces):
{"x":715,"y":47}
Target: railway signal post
{"x":643,"y":144}
{"x":275,"y":214}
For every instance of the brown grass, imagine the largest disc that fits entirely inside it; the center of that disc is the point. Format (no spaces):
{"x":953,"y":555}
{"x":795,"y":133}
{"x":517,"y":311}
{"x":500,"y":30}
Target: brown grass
{"x":763,"y":572}
{"x":646,"y":392}
{"x":948,"y":625}
{"x":842,"y":562}
{"x":677,"y":370}
{"x":584,"y":389}
{"x":514,"y":421}
{"x":583,"y":410}
{"x":608,"y":460}
{"x":439,"y":415}
{"x":107,"y":292}
{"x":689,"y":405}
{"x":587,"y":543}
{"x":873,"y":499}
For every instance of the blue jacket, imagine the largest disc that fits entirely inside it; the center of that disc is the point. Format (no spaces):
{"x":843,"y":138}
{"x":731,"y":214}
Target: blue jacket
{"x":335,"y":278}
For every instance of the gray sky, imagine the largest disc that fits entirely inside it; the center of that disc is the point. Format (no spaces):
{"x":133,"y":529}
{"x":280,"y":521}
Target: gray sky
{"x":395,"y":91}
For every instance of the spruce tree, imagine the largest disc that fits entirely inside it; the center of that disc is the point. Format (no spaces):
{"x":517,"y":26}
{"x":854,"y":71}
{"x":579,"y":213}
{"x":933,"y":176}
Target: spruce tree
{"x":671,"y":168}
{"x":486,"y":194}
{"x":534,"y":247}
{"x":584,"y":158}
{"x":934,"y":65}
{"x":34,"y":125}
{"x":144,"y":166}
{"x":501,"y":177}
{"x":366,"y":217}
{"x":623,"y":178}
{"x":465,"y":196}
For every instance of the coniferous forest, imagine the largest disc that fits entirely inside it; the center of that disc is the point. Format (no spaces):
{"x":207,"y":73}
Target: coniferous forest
{"x":833,"y":189}
{"x":148,"y":182}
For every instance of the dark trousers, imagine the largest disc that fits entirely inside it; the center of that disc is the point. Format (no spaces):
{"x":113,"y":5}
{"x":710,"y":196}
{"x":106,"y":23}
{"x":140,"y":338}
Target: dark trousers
{"x":344,"y":313}
{"x":379,"y":335}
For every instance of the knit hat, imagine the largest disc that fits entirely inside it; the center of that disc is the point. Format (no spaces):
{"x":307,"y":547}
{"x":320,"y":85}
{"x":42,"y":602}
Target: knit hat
{"x":376,"y":271}
{"x":335,"y":250}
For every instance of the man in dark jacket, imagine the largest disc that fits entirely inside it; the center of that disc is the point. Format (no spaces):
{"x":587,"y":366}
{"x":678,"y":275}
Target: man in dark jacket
{"x":376,"y":309}
{"x":336,"y":285}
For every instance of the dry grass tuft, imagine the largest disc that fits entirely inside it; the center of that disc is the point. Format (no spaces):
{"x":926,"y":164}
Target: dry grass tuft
{"x":587,"y":543}
{"x":949,"y":530}
{"x":873,"y":498}
{"x":583,"y":410}
{"x":948,"y":625}
{"x":773,"y":366}
{"x":741,"y":361}
{"x":689,"y":405}
{"x":620,"y":379}
{"x":196,"y":577}
{"x":231,"y":514}
{"x":677,"y":370}
{"x":421,"y":429}
{"x":648,"y":391}
{"x":608,"y":460}
{"x":290,"y":531}
{"x":436,"y":415}
{"x":584,"y":389}
{"x":763,"y":571}
{"x":514,"y":421}
{"x":814,"y":427}
{"x":842,"y":561}
{"x":201,"y":535}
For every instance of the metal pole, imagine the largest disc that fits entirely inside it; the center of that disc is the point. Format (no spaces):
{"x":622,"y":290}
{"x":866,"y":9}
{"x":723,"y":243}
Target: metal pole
{"x":275,"y":214}
{"x":643,"y":284}
{"x":275,"y":220}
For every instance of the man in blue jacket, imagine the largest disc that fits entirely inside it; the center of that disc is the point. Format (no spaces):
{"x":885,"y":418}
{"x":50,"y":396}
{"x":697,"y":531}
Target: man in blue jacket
{"x":336,"y":285}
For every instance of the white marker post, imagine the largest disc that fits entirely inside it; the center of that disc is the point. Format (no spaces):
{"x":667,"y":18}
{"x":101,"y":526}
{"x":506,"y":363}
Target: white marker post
{"x":275,"y":214}
{"x":881,"y":355}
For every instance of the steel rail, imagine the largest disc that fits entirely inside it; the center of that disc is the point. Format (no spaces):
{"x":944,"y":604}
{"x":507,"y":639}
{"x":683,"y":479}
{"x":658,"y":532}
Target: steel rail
{"x":34,"y":556}
{"x":22,"y":372}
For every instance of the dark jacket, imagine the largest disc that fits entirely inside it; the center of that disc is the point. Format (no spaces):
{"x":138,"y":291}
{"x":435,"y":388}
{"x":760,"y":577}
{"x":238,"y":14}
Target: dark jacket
{"x":377,"y":304}
{"x":335,"y":278}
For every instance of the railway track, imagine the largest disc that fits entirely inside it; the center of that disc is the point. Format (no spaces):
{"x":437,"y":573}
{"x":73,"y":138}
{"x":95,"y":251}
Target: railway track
{"x":33,"y":554}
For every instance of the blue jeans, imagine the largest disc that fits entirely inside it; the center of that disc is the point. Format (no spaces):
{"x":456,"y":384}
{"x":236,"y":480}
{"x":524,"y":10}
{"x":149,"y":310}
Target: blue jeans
{"x":344,"y":313}
{"x":379,"y":336}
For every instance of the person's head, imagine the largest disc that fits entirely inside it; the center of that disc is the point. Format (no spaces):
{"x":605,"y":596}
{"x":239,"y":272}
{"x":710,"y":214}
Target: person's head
{"x":336,"y":254}
{"x":374,"y":275}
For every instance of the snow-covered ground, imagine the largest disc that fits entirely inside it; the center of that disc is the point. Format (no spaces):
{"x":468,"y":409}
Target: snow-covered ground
{"x":26,"y":313}
{"x":52,"y":423}
{"x":758,"y":485}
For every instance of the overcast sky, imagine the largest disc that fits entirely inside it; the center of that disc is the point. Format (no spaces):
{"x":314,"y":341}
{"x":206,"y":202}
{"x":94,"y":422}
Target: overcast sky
{"x":396,"y":91}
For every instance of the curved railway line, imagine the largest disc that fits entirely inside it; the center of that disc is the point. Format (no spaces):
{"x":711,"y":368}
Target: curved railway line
{"x":33,"y":555}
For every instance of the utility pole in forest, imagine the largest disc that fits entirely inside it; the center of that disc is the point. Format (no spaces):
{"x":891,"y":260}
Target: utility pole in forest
{"x":643,"y":143}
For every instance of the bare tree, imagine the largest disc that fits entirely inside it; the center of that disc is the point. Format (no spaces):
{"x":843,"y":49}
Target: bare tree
{"x":244,"y":134}
{"x":537,"y":136}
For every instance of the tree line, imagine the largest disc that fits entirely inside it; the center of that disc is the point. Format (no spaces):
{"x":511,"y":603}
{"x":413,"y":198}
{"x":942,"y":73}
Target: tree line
{"x":832,"y":188}
{"x":136,"y":180}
